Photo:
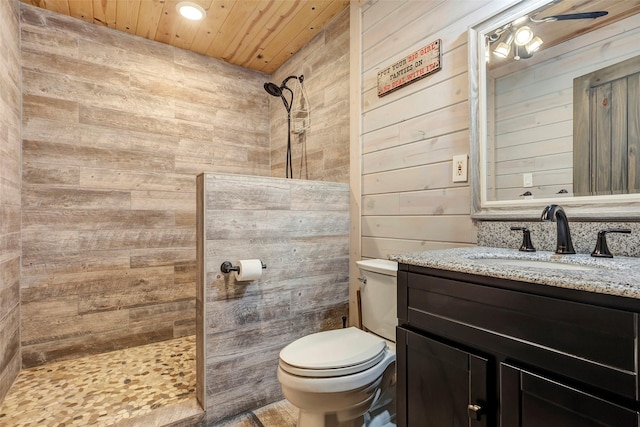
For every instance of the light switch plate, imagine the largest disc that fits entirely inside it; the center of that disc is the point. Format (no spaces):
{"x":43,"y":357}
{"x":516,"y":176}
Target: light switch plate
{"x":460,"y":168}
{"x":527,"y":180}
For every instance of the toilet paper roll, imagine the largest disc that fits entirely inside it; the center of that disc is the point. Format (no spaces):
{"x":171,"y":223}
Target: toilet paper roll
{"x":250,"y":269}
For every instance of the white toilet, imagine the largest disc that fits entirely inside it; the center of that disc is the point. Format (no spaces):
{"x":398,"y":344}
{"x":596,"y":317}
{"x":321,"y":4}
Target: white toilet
{"x":346,"y":377}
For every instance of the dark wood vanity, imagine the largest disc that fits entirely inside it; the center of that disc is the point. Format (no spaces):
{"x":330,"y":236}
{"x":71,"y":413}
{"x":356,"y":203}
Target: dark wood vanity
{"x":474,"y":350}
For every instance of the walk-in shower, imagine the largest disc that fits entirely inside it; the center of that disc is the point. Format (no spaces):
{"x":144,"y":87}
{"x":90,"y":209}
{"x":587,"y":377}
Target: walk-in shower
{"x":274,"y":90}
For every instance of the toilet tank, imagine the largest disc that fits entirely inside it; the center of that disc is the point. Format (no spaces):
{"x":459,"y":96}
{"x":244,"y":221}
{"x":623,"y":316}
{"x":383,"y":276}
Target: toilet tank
{"x":378,"y":296}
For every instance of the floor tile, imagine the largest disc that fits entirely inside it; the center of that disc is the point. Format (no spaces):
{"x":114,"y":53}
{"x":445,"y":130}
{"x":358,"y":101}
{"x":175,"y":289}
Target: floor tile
{"x":105,"y":389}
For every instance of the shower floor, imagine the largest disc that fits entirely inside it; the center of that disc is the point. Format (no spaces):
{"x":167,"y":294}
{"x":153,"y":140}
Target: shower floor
{"x":147,"y":385}
{"x":151,"y":385}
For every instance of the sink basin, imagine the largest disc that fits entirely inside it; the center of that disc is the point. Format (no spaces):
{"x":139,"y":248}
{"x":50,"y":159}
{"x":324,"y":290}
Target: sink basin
{"x":506,"y":262}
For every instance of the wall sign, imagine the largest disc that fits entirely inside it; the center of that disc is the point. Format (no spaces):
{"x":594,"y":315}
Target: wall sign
{"x":413,"y":67}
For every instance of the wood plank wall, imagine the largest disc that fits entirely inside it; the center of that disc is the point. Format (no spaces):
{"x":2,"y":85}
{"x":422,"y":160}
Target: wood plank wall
{"x":409,"y":202}
{"x":321,"y":153}
{"x":300,"y":230}
{"x":10,"y":112}
{"x":115,"y":130}
{"x":534,"y":110}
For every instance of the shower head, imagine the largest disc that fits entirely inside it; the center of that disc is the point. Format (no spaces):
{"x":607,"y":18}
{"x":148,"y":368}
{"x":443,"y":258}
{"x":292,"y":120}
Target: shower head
{"x":272,"y":89}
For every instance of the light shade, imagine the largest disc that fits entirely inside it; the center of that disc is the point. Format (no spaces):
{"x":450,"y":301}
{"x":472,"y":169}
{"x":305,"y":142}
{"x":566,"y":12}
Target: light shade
{"x":520,"y":20}
{"x":502,"y":50}
{"x":534,"y":44}
{"x":190,"y":10}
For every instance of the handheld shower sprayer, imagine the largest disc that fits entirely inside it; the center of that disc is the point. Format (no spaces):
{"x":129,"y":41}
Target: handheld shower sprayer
{"x":274,"y":90}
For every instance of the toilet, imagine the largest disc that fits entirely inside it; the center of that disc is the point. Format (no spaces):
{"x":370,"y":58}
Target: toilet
{"x":346,"y":377}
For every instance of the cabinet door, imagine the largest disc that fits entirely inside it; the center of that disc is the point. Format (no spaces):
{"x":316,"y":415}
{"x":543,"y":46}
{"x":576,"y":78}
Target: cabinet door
{"x":444,"y":386}
{"x":530,"y":400}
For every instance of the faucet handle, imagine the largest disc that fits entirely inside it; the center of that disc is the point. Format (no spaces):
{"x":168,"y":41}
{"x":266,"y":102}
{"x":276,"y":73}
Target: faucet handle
{"x":602,"y":250}
{"x":527,"y":245}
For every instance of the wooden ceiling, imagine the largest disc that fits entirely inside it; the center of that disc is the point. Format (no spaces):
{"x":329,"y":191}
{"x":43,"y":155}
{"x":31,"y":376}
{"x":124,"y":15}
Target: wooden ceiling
{"x":255,"y":34}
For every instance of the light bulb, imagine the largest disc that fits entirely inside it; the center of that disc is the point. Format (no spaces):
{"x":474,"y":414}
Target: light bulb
{"x":523,"y":36}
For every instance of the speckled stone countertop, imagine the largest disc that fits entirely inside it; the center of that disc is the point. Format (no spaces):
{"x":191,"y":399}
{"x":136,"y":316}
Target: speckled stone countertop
{"x":614,"y":276}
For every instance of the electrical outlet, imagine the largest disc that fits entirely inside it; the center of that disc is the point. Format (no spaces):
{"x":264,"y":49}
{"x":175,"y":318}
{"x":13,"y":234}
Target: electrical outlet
{"x":460,"y":168}
{"x":527,"y":180}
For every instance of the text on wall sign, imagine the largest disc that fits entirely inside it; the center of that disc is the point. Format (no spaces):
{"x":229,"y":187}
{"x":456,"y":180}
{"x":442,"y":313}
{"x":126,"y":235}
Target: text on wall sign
{"x":413,"y":67}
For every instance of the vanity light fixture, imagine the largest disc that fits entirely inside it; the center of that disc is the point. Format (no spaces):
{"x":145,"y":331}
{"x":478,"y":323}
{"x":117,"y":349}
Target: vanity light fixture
{"x":191,"y":10}
{"x":520,"y":38}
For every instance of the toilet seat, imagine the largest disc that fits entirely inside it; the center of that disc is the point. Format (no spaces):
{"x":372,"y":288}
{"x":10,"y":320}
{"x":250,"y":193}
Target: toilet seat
{"x":333,"y":353}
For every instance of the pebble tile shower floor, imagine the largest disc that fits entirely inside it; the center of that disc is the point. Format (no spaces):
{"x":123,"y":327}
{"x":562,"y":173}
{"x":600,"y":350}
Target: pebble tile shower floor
{"x":107,"y":389}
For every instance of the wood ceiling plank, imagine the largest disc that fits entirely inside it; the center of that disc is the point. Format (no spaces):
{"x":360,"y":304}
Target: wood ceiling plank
{"x":148,"y":18}
{"x":169,"y":22}
{"x":264,"y":31}
{"x":216,"y":16}
{"x":302,"y":37}
{"x":127,"y":15}
{"x":104,"y":13}
{"x":239,"y":14}
{"x":81,"y":9}
{"x":299,"y":23}
{"x":187,"y":30}
{"x":256,"y":24}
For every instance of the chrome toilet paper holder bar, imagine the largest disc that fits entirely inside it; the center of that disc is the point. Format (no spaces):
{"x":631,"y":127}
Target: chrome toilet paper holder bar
{"x":227,"y":267}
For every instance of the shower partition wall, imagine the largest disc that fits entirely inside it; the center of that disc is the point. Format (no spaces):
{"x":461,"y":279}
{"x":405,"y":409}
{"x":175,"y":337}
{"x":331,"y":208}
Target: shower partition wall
{"x":300,"y":230}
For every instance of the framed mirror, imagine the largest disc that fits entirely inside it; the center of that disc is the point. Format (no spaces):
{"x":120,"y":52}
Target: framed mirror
{"x":555,"y":110}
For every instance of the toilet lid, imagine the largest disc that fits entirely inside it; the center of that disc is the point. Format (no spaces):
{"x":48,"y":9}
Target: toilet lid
{"x":330,"y":351}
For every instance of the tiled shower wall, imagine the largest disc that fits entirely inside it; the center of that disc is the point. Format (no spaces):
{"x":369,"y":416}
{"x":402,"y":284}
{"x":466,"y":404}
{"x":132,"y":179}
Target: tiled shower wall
{"x":321,"y":153}
{"x":115,"y":130}
{"x":9,"y":194}
{"x":300,"y":230}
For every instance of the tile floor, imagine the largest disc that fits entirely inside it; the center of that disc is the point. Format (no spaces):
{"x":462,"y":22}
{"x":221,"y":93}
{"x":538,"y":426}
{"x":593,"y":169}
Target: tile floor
{"x":146,"y":386}
{"x":117,"y":386}
{"x":279,"y":414}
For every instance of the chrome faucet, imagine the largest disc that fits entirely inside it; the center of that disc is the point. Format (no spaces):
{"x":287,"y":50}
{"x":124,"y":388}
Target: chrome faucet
{"x":556,"y":214}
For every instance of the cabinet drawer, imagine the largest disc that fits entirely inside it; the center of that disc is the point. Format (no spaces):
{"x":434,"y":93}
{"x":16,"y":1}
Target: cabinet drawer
{"x":574,"y":339}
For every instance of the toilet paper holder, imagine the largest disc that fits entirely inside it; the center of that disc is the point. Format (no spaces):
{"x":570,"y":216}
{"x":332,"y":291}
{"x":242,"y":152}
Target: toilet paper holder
{"x":227,"y":267}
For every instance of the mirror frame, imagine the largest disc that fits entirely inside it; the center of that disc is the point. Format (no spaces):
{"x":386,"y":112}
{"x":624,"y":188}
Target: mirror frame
{"x":609,"y":207}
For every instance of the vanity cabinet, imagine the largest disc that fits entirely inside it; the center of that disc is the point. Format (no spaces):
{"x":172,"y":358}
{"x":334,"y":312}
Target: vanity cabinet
{"x":442,"y":381}
{"x":474,"y":350}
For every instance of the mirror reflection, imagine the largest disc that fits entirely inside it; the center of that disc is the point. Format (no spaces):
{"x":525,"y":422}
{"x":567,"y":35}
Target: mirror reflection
{"x":562,"y":85}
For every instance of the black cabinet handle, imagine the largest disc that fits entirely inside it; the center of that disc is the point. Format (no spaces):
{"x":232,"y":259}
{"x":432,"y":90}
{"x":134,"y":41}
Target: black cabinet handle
{"x":475,"y":411}
{"x":602,"y":250}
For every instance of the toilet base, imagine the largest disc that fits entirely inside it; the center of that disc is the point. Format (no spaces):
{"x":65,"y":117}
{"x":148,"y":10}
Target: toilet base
{"x":375,"y":406}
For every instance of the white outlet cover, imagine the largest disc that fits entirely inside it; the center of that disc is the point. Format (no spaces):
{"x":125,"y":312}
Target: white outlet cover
{"x":527,"y":180}
{"x":459,"y":173}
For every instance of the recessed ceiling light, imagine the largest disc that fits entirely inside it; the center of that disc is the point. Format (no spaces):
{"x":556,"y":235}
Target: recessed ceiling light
{"x":191,"y":10}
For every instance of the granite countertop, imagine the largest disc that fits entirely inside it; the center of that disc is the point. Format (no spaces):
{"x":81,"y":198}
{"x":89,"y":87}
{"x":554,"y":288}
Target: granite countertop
{"x":614,"y":276}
